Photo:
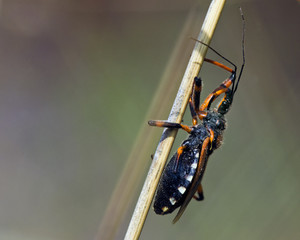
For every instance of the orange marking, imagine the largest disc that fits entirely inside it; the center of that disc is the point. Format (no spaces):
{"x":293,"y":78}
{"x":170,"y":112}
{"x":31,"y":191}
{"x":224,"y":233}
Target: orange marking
{"x":193,"y":112}
{"x":200,"y":193}
{"x":200,"y":189}
{"x":186,"y":128}
{"x":197,"y":88}
{"x":195,"y":121}
{"x":211,"y":138}
{"x":219,"y":141}
{"x":217,"y":92}
{"x":179,"y":152}
{"x":222,"y":101}
{"x":202,"y":114}
{"x":218,"y":64}
{"x":206,"y":102}
{"x":159,"y":124}
{"x":227,"y":82}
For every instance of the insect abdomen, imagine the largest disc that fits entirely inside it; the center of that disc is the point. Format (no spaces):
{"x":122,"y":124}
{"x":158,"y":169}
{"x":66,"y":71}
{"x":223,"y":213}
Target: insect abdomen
{"x":175,"y":182}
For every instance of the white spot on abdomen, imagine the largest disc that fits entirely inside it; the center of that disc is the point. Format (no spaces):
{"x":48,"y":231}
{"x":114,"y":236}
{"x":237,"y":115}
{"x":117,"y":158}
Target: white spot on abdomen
{"x":194,"y":165}
{"x":172,"y":200}
{"x":189,"y":178}
{"x":164,"y":209}
{"x":181,"y":189}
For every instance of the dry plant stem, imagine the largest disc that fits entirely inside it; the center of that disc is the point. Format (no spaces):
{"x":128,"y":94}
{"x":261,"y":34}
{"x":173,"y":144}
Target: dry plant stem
{"x":176,"y":114}
{"x":138,"y":160}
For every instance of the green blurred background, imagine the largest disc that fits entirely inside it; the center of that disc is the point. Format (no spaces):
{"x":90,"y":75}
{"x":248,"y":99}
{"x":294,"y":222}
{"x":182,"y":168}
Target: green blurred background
{"x":76,"y":81}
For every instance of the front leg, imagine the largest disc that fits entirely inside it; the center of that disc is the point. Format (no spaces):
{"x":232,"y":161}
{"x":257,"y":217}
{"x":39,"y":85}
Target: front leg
{"x":217,"y":92}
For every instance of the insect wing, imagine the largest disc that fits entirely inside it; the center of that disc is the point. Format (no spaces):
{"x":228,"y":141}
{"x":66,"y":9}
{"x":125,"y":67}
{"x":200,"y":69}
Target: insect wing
{"x":176,"y":181}
{"x":197,"y":179}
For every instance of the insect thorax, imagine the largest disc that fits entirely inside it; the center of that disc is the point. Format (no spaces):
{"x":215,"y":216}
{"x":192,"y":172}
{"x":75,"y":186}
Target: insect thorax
{"x":214,"y":121}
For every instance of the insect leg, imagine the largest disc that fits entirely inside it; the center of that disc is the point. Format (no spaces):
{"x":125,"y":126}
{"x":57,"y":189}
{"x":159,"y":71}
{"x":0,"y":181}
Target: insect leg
{"x":200,"y":196}
{"x":217,"y":92}
{"x":219,"y":65}
{"x":195,"y":98}
{"x":193,"y":112}
{"x":194,"y":101}
{"x":158,"y":123}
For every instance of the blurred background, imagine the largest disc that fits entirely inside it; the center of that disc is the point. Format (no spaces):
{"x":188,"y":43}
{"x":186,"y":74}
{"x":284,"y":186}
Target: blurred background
{"x":76,"y":81}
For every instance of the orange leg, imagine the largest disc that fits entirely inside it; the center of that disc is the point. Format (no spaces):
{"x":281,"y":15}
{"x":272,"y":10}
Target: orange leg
{"x":158,"y":123}
{"x":219,"y":65}
{"x":217,"y":92}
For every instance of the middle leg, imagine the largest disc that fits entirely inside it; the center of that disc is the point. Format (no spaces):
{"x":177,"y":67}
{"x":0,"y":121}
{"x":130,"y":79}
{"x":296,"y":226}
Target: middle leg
{"x":158,"y":123}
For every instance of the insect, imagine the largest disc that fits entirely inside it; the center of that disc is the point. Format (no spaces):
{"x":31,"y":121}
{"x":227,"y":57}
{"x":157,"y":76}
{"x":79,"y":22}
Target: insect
{"x":181,"y":178}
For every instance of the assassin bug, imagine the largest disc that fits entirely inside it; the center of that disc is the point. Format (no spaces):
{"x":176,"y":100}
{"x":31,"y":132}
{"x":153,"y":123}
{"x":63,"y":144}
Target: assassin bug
{"x":181,"y":178}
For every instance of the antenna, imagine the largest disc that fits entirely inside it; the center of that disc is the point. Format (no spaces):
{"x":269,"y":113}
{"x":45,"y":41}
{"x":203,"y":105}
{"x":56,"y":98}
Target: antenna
{"x":216,"y":52}
{"x":234,"y":86}
{"x":243,"y":52}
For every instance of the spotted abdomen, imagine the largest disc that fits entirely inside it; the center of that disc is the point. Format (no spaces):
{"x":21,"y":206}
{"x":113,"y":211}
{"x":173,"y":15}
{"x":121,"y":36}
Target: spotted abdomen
{"x":175,"y":182}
